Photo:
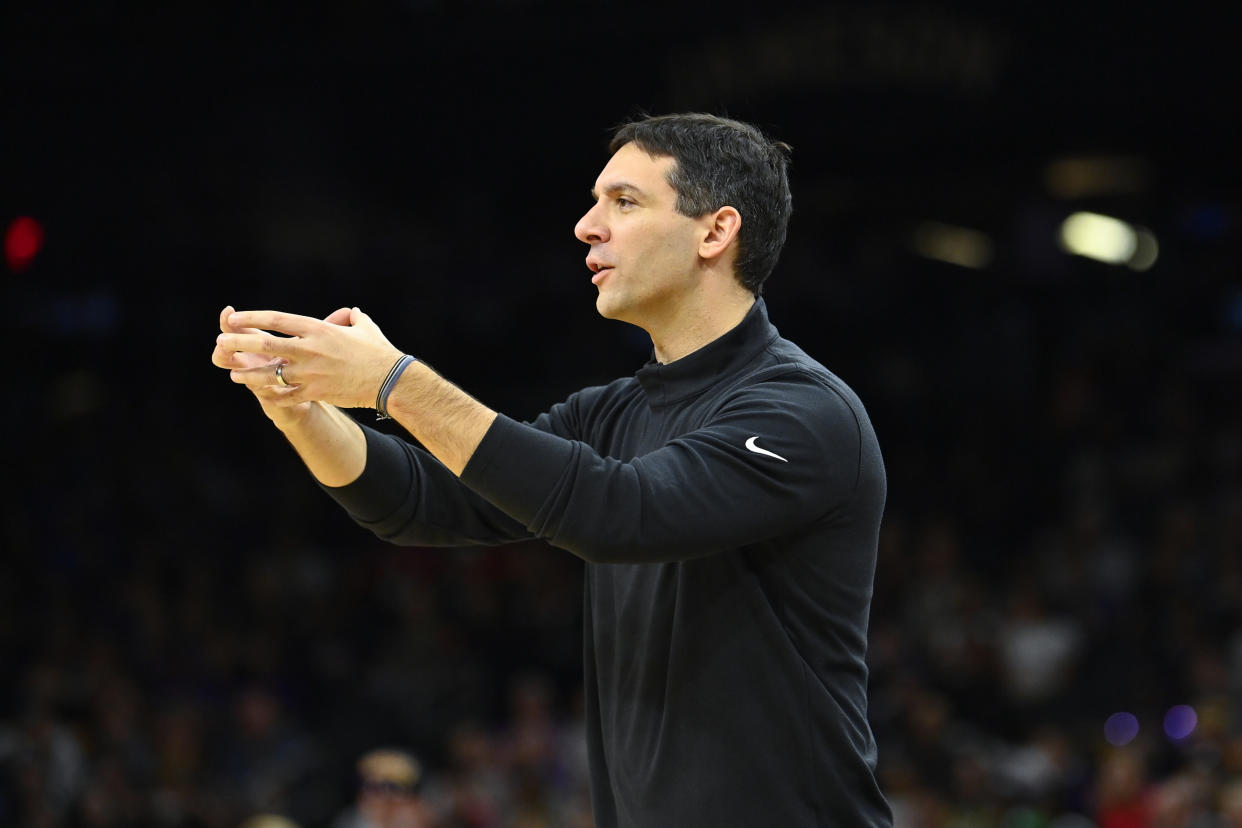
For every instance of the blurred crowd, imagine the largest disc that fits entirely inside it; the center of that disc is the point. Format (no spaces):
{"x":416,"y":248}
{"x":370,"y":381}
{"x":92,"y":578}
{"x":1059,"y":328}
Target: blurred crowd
{"x":192,"y":634}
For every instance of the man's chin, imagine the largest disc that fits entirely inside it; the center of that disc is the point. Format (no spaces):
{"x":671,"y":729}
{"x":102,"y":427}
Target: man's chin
{"x":606,"y":307}
{"x":610,"y":307}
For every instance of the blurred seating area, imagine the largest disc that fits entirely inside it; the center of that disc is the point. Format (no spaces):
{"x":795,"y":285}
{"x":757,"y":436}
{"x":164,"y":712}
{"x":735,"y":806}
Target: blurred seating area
{"x":193,"y":635}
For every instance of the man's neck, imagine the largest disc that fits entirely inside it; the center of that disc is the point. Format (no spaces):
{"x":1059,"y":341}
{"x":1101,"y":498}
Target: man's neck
{"x":696,"y":325}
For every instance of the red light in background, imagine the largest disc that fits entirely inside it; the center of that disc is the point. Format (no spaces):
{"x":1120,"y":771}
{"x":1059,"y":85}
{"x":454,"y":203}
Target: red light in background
{"x":22,"y":242}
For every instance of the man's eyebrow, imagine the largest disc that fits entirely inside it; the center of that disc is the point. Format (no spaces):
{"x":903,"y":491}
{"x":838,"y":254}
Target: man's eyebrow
{"x":617,"y":188}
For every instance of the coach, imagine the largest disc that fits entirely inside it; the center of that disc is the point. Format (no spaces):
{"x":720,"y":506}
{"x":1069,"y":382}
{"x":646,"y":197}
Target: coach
{"x":726,"y":498}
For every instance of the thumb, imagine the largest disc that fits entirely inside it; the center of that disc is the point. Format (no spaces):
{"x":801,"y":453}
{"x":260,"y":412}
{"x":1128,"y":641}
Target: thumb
{"x":357,"y":317}
{"x":341,"y":316}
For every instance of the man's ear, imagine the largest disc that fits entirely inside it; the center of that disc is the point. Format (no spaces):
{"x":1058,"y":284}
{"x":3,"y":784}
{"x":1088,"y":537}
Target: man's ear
{"x":722,"y":228}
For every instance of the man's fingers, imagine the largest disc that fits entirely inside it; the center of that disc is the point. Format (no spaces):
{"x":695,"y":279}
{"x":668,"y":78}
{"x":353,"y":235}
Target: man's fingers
{"x":269,"y":393}
{"x":258,"y":343}
{"x":340,"y":316}
{"x":264,"y":376}
{"x":287,"y":323}
{"x":255,"y":377}
{"x":225,"y":327}
{"x":281,"y":372}
{"x":223,"y":359}
{"x":359,"y":317}
{"x":252,"y":355}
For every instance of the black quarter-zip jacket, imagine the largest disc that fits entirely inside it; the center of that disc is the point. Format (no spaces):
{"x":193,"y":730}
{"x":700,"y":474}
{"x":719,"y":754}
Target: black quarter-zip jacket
{"x":728,"y":507}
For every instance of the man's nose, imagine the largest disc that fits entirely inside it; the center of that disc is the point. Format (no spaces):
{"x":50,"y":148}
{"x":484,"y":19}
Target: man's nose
{"x":590,"y":228}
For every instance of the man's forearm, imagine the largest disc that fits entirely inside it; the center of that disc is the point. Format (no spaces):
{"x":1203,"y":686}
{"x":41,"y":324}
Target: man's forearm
{"x":446,"y":420}
{"x":329,"y":442}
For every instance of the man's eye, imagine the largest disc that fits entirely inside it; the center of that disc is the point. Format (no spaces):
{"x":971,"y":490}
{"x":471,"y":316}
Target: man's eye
{"x":622,"y":201}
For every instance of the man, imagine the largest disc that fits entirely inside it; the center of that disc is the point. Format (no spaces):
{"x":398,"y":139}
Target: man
{"x":727,"y":498}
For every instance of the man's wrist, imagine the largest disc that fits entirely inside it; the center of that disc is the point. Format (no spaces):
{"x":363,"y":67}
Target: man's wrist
{"x":292,"y":417}
{"x":390,"y":382}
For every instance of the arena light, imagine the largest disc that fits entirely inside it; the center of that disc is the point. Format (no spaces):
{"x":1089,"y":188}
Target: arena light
{"x":955,"y":245}
{"x":1086,"y":176}
{"x":1110,"y":240}
{"x":1180,"y":722}
{"x":1098,"y":237}
{"x":1121,"y":728}
{"x":22,"y":242}
{"x":1146,"y":250}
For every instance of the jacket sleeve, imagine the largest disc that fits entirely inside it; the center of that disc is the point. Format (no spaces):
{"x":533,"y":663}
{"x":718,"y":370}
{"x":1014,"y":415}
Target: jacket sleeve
{"x":407,"y":497}
{"x":776,"y":456}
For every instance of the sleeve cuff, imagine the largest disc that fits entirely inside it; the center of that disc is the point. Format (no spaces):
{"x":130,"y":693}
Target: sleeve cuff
{"x":518,"y":467}
{"x":384,"y":483}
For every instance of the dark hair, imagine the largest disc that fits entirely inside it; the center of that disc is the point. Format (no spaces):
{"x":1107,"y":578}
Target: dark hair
{"x":721,"y":162}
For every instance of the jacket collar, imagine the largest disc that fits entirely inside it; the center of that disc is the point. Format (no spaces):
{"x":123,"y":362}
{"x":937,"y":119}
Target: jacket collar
{"x":694,"y":373}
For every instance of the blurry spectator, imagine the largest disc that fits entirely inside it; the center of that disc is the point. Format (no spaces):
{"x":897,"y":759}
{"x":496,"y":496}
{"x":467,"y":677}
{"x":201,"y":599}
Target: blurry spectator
{"x":974,"y":804}
{"x":111,"y":797}
{"x":389,"y":783}
{"x":474,"y":791}
{"x":530,"y":744}
{"x":268,"y":763}
{"x":268,"y":821}
{"x":1040,"y":770}
{"x":1037,"y":648}
{"x":1182,"y":801}
{"x":179,"y":747}
{"x":44,"y":758}
{"x":1121,"y":794}
{"x":1230,"y":806}
{"x":537,"y":751}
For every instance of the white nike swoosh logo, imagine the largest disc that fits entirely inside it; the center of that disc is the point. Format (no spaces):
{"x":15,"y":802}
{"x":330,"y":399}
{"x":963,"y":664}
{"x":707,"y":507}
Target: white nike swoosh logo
{"x":750,"y":444}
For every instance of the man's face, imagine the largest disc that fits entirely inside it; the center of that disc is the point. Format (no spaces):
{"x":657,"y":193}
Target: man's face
{"x":644,"y":254}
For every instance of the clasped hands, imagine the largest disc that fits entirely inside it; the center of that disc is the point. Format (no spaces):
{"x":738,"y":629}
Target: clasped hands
{"x":341,"y":360}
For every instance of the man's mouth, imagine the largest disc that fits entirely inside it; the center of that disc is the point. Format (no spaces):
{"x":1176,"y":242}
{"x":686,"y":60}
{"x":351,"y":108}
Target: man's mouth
{"x":599,"y":269}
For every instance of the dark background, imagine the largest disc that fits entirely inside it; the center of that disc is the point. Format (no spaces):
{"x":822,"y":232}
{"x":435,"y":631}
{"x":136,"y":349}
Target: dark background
{"x":190,"y":632}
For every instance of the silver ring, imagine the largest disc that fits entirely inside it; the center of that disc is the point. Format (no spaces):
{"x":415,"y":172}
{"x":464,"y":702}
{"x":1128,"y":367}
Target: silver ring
{"x":280,"y":375}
